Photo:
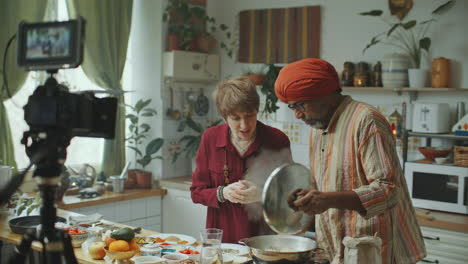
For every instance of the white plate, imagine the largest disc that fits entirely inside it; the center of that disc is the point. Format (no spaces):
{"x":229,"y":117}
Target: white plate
{"x":239,"y":249}
{"x":189,"y":239}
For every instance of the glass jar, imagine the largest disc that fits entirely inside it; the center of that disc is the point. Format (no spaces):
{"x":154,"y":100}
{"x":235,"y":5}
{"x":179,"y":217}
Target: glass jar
{"x":347,"y":76}
{"x":361,"y":76}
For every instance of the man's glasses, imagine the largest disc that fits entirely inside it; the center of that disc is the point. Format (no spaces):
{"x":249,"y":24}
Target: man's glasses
{"x":299,"y":106}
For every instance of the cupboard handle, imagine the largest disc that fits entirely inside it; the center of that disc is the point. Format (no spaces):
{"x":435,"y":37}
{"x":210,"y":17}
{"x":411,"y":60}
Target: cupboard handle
{"x":431,"y":238}
{"x":430,"y":261}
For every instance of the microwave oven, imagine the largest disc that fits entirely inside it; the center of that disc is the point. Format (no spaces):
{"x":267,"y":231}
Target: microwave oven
{"x":438,"y":187}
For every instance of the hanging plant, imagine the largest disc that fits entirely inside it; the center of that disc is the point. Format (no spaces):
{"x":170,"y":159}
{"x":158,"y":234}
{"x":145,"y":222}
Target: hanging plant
{"x":268,"y":89}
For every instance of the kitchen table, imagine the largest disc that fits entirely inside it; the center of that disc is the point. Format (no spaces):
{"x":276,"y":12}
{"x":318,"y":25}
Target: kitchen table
{"x":7,"y":235}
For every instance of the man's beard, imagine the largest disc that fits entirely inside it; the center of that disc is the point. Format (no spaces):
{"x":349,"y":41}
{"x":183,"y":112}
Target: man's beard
{"x":314,"y":123}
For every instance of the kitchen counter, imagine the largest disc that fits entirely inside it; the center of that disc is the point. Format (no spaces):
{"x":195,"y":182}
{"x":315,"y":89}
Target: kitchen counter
{"x":443,"y":220}
{"x":180,"y":183}
{"x":73,"y":202}
{"x":83,"y":258}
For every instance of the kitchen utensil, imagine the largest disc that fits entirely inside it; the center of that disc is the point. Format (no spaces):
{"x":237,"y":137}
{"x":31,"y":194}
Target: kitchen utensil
{"x":283,"y":181}
{"x":201,"y":105}
{"x":171,"y":112}
{"x":280,"y":248}
{"x":117,"y":184}
{"x":21,"y":225}
{"x":124,"y":175}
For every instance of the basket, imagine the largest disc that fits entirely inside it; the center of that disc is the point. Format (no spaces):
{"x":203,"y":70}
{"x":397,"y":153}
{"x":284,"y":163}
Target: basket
{"x":460,"y":156}
{"x":430,"y":154}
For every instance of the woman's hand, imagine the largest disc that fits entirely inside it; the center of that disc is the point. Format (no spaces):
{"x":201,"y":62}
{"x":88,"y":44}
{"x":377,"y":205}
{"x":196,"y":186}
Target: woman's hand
{"x":250,"y":193}
{"x":232,"y":192}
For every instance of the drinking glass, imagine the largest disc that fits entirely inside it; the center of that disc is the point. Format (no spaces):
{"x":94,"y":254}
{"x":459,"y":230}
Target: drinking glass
{"x":211,"y":246}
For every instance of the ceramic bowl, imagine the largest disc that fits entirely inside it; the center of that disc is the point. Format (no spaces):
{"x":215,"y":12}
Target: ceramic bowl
{"x":430,"y":153}
{"x":120,"y":255}
{"x":78,"y":239}
{"x":173,"y":258}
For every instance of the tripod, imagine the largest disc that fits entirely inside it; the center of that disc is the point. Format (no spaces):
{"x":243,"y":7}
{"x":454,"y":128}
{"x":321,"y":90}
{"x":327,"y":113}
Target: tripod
{"x":50,"y":147}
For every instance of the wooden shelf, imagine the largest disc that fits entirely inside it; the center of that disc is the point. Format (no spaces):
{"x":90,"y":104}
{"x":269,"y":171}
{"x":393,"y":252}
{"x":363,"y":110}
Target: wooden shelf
{"x":431,"y":135}
{"x":413,"y":92}
{"x":403,"y":89}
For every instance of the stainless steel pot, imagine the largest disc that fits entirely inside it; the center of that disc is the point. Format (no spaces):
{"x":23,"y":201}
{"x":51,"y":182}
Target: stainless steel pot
{"x":280,"y":249}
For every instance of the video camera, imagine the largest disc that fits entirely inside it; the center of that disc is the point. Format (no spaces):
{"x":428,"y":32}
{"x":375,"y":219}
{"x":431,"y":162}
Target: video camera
{"x":59,"y":45}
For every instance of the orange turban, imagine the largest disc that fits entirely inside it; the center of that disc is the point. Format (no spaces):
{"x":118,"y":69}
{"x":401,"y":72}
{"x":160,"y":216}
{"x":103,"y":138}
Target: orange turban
{"x":305,"y":80}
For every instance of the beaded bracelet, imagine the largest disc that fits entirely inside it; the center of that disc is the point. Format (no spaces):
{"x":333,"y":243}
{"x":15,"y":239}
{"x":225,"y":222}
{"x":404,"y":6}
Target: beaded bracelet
{"x":219,"y":194}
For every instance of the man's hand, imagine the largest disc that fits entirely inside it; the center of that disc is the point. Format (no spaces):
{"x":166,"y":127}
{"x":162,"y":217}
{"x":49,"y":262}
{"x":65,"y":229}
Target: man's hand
{"x":312,"y":202}
{"x":293,"y":197}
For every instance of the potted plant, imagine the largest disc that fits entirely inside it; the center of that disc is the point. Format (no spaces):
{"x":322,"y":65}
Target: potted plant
{"x":189,"y":24}
{"x":191,"y":142}
{"x":138,"y":133}
{"x":257,"y":77}
{"x":409,"y":36}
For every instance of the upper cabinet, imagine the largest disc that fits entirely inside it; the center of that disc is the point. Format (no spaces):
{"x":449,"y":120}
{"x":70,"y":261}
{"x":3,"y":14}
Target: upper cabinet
{"x":185,"y":66}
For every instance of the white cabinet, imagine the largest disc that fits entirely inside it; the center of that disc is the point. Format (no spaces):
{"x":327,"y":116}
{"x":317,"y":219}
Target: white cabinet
{"x":180,"y":215}
{"x":191,"y":66}
{"x":445,"y":246}
{"x":144,"y":212}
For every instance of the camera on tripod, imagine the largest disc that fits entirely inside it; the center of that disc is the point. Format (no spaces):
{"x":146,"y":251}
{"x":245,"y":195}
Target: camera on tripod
{"x":55,"y":116}
{"x":59,"y":45}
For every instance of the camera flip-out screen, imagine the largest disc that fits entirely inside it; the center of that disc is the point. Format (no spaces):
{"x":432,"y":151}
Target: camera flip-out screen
{"x":50,"y":45}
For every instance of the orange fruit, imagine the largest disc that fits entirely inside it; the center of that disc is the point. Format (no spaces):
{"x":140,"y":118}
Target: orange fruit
{"x":133,"y":245}
{"x":119,"y":246}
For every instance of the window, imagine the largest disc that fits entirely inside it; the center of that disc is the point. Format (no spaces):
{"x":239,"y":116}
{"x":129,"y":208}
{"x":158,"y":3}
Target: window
{"x":81,"y":149}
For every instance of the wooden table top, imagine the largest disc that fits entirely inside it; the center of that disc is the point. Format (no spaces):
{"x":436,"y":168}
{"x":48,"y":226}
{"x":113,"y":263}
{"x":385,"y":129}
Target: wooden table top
{"x":8,"y":236}
{"x":73,"y":202}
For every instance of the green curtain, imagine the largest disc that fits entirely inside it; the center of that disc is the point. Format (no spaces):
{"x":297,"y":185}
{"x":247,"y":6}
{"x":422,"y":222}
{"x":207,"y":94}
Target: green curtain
{"x":107,"y":34}
{"x":11,"y":13}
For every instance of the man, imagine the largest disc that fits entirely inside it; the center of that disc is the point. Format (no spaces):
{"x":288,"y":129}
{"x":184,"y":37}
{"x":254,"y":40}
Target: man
{"x":358,"y":188}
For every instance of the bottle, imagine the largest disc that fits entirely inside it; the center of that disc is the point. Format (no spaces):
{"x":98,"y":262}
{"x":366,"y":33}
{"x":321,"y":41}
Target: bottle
{"x":377,"y":75}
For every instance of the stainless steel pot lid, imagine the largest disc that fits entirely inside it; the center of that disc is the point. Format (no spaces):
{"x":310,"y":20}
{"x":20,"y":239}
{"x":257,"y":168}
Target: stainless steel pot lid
{"x":282,"y":182}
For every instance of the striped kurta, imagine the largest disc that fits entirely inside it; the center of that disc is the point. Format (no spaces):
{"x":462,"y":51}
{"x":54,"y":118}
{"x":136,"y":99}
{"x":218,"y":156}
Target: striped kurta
{"x":357,"y":153}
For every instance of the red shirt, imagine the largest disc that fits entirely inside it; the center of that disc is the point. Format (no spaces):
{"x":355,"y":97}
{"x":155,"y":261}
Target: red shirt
{"x":210,"y":159}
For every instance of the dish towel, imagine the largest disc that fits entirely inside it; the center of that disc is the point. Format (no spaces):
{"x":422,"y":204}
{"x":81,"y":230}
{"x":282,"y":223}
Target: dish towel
{"x":84,"y":219}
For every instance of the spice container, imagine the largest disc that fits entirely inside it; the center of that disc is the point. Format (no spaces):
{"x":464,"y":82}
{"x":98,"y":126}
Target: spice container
{"x":361,"y":76}
{"x":347,"y":75}
{"x":377,"y":75}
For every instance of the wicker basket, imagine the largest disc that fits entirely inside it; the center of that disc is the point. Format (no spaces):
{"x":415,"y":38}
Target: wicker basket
{"x":460,"y":156}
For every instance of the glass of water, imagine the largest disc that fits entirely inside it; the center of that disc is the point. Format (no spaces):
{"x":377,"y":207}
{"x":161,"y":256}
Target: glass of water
{"x":211,"y":246}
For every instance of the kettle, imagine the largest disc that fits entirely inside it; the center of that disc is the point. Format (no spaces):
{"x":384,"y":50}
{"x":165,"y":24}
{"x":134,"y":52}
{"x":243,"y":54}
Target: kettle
{"x":6,"y":173}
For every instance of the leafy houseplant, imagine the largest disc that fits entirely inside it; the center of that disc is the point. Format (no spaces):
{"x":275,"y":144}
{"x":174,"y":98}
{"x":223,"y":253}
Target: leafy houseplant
{"x":139,"y":131}
{"x":192,"y":142}
{"x":268,"y":89}
{"x":409,"y":36}
{"x":189,"y":24}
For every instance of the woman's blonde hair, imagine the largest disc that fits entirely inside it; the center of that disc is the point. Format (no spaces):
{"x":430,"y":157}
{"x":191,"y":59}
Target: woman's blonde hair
{"x":236,"y":95}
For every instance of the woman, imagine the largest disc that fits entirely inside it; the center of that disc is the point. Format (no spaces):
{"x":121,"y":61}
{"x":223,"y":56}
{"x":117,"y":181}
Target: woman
{"x":221,"y":180}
